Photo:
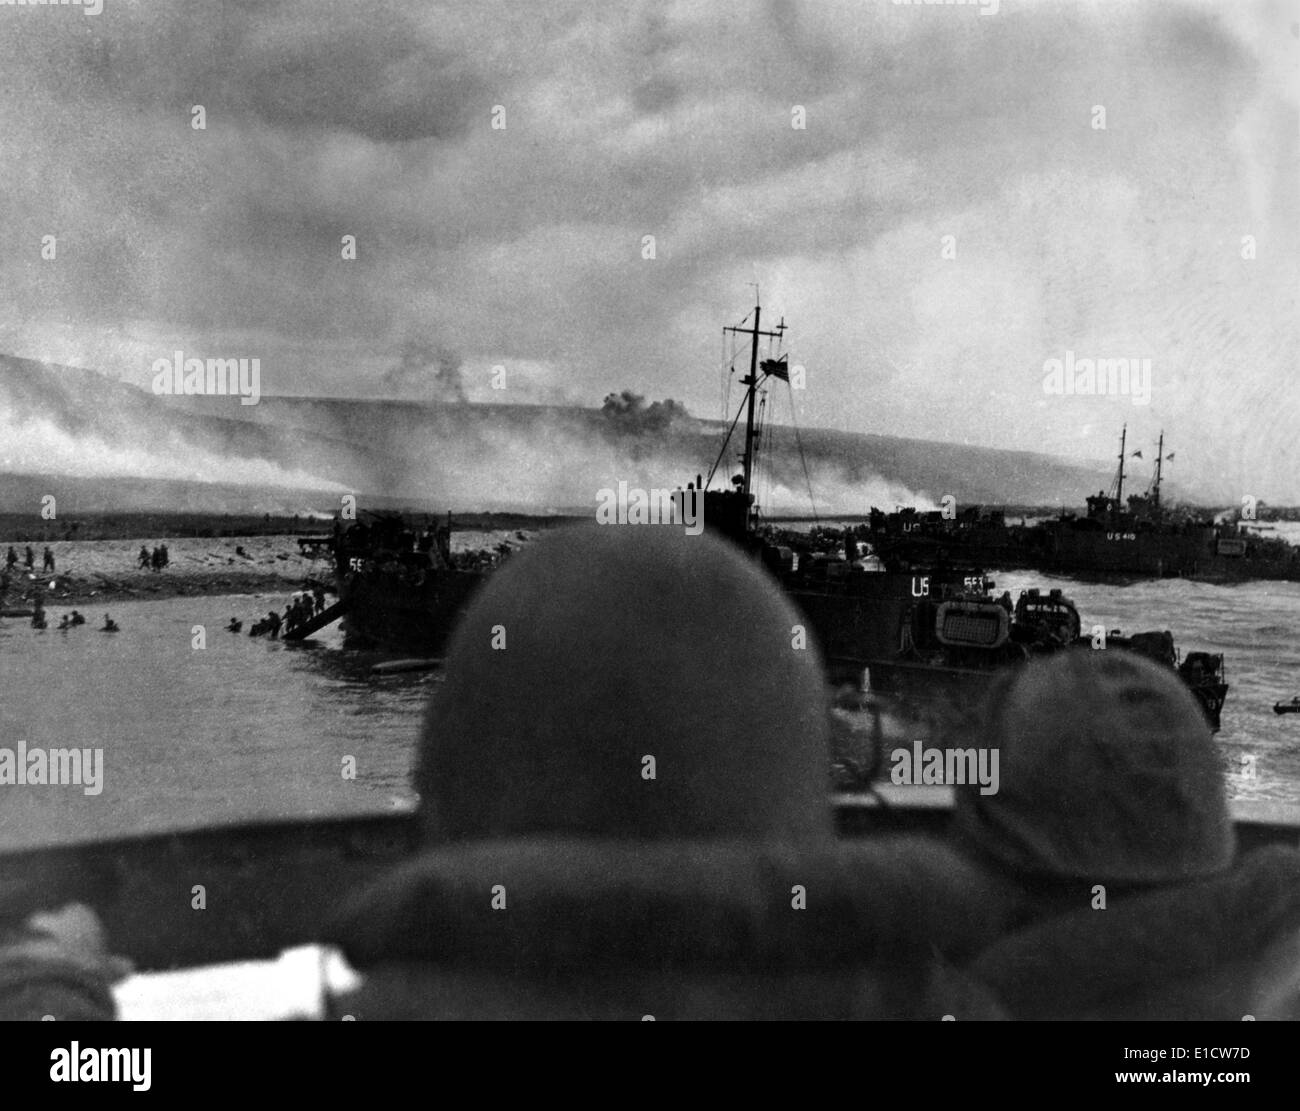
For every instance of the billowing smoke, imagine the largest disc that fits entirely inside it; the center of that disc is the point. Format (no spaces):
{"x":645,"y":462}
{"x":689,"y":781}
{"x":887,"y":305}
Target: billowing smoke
{"x":77,"y":424}
{"x":642,"y":427}
{"x":41,"y":446}
{"x":834,"y":492}
{"x":469,"y":457}
{"x":426,"y":371}
{"x":628,"y":414}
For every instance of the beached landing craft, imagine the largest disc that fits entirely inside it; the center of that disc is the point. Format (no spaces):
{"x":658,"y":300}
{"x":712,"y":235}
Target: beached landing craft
{"x":398,"y":588}
{"x":855,"y":606}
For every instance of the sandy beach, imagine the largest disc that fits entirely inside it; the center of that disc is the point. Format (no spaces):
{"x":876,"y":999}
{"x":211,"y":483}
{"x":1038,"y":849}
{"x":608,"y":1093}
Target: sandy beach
{"x":108,"y":570}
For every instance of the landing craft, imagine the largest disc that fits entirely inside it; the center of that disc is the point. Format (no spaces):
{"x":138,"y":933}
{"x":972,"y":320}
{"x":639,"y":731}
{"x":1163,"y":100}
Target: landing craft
{"x":856,"y":606}
{"x":882,"y":621}
{"x":398,"y":588}
{"x":1137,"y":536}
{"x":1134,"y":537}
{"x":955,"y":648}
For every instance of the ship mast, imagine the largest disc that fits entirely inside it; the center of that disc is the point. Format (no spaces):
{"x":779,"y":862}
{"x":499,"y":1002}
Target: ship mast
{"x":750,"y":382}
{"x":1119,"y":488}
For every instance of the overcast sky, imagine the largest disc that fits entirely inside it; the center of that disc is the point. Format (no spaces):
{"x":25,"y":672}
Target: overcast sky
{"x":523,"y":246}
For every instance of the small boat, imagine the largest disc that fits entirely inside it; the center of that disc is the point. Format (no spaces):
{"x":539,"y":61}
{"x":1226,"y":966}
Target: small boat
{"x":1292,"y":707}
{"x":392,"y":667}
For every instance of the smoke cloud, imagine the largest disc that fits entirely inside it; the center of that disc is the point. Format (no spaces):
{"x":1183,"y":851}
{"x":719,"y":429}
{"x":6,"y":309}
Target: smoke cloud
{"x":428,"y":371}
{"x":41,"y":447}
{"x":62,"y":421}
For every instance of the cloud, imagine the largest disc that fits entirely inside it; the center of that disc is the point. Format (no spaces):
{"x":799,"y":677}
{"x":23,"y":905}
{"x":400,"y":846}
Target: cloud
{"x":522,"y":245}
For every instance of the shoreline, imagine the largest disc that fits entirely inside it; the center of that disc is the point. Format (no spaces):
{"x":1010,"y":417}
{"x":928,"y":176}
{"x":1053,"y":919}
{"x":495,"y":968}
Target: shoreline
{"x":21,"y":529}
{"x":73,"y":591}
{"x":95,"y":572}
{"x":92,"y":585}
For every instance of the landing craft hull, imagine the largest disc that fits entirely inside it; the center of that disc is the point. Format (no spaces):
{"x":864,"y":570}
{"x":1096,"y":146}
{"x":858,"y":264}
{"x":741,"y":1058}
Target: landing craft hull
{"x":999,"y":548}
{"x":957,"y":689}
{"x":1211,"y":696}
{"x":850,"y":630}
{"x":863,"y":618}
{"x":910,"y":680}
{"x":385,"y":612}
{"x":1134,"y":553}
{"x":1004,"y":548}
{"x":1064,"y":548}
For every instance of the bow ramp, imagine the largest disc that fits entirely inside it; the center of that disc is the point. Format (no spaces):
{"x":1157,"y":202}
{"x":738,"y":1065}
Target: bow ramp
{"x":325,"y":617}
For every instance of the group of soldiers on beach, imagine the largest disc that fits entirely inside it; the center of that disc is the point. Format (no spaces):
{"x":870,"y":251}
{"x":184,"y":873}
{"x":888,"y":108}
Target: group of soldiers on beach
{"x":29,"y":559}
{"x":147,"y":560}
{"x":153,"y":560}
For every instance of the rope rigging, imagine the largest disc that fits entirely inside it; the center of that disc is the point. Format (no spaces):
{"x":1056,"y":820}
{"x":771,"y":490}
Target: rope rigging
{"x":725,"y":441}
